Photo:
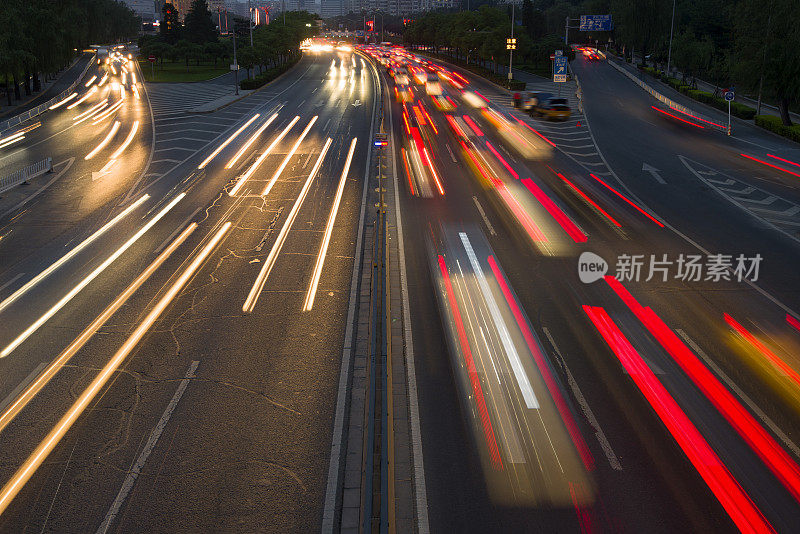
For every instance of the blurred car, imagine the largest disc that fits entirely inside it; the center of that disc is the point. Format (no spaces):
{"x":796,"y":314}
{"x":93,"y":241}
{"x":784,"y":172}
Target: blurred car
{"x":433,"y":86}
{"x":534,"y":98}
{"x":443,"y":102}
{"x":420,"y":76}
{"x":554,"y":109}
{"x":403,"y":93}
{"x":473,"y":100}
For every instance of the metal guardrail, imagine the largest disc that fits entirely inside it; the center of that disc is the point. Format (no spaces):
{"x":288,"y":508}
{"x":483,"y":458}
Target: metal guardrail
{"x":23,"y":175}
{"x":667,"y":101}
{"x":38,"y":110}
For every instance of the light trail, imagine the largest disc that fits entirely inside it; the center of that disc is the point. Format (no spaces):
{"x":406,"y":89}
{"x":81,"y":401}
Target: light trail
{"x":502,"y":160}
{"x":59,"y":104}
{"x":744,"y":513}
{"x":38,"y":456}
{"x":775,"y":458}
{"x":678,"y":118}
{"x":56,"y":365}
{"x":250,"y":141}
{"x":12,"y":141}
{"x":91,"y":81}
{"x":773,"y":358}
{"x":589,"y":200}
{"x":104,"y":142}
{"x":228,"y":141}
{"x":127,"y":141}
{"x":135,"y":91}
{"x":263,"y":274}
{"x":626,"y":199}
{"x":71,"y":254}
{"x":102,"y":80}
{"x":91,"y":276}
{"x":246,"y":176}
{"x":323,"y":249}
{"x":768,"y":164}
{"x":96,"y":108}
{"x":288,"y":156}
{"x":556,"y":212}
{"x":82,"y":99}
{"x":106,"y":113}
{"x":783,"y":160}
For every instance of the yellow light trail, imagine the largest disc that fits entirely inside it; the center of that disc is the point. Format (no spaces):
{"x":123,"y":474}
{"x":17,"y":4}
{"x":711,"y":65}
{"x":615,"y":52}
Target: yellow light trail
{"x":107,"y":113}
{"x":250,"y":141}
{"x":71,"y":254}
{"x":263,"y":274}
{"x":127,"y":141}
{"x":91,"y":276}
{"x":102,"y":80}
{"x":228,"y":141}
{"x":56,"y":365}
{"x":135,"y":91}
{"x":289,"y":155}
{"x":44,"y":448}
{"x":91,"y":81}
{"x":246,"y":176}
{"x":89,"y":93}
{"x":97,"y":107}
{"x":323,"y":249}
{"x":104,"y":142}
{"x":59,"y":104}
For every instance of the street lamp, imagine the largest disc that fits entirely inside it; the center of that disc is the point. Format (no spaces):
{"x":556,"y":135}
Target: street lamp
{"x":671,"y":26}
{"x":511,"y":44}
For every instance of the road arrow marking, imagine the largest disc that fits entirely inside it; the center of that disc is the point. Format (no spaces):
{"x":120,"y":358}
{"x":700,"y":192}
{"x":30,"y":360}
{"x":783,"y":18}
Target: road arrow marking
{"x":104,"y":171}
{"x":654,"y":172}
{"x":357,"y":103}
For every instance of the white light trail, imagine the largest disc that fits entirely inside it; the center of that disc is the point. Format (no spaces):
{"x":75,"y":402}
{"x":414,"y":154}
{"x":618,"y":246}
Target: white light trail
{"x":228,"y":141}
{"x":91,"y":276}
{"x":323,"y":249}
{"x":38,"y":456}
{"x":102,"y":80}
{"x":250,"y":141}
{"x":12,"y":141}
{"x":246,"y":176}
{"x":289,"y":155}
{"x":96,"y":108}
{"x":107,"y":113}
{"x":82,"y":99}
{"x":91,"y":81}
{"x":104,"y":142}
{"x":263,"y":274}
{"x":44,"y":377}
{"x":59,"y":104}
{"x":127,"y":141}
{"x":511,"y":351}
{"x":71,"y":254}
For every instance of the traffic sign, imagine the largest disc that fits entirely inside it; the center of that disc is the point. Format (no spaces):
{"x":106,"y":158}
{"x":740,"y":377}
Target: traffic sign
{"x":729,"y":95}
{"x":151,"y":59}
{"x":560,"y":69}
{"x":559,"y":52}
{"x":234,"y":66}
{"x":596,"y":23}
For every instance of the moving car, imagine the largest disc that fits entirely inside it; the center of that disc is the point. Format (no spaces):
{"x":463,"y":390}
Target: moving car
{"x":553,"y":108}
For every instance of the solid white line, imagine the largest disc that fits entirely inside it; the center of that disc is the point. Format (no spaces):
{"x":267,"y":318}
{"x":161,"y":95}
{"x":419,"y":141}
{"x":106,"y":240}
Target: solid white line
{"x":22,"y":385}
{"x":451,"y":153}
{"x":136,"y":470}
{"x":312,"y":287}
{"x":741,"y":394}
{"x":587,"y":411}
{"x":19,"y":275}
{"x":420,"y":491}
{"x":269,"y":263}
{"x":69,"y":255}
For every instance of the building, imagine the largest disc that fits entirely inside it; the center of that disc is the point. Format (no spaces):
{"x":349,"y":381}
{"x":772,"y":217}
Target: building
{"x":146,"y":9}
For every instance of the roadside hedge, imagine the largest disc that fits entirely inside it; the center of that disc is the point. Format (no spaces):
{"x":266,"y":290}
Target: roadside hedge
{"x":774,"y":124}
{"x":268,"y":76}
{"x":737,"y":109}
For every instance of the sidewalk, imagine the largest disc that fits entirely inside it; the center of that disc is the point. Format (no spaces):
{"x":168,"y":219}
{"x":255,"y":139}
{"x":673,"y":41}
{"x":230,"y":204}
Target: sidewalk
{"x":49,"y":89}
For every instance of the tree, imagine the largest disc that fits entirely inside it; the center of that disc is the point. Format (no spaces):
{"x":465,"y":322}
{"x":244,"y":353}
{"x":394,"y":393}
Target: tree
{"x":199,"y":27}
{"x":766,"y":37}
{"x":170,"y":25}
{"x":247,"y":58}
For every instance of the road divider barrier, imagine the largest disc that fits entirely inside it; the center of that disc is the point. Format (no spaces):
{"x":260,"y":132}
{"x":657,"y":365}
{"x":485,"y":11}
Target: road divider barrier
{"x":24,"y":175}
{"x":667,"y":101}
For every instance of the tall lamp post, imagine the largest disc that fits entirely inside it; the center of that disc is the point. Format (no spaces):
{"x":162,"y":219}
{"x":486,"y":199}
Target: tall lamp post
{"x":511,"y":45}
{"x":671,"y":27}
{"x":250,"y":21}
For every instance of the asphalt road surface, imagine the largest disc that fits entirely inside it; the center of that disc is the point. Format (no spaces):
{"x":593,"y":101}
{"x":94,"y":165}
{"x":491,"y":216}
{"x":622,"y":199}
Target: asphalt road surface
{"x":174,"y":299}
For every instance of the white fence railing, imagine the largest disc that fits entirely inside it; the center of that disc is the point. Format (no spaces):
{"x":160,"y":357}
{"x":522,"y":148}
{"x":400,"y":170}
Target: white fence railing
{"x":38,"y":110}
{"x":23,"y":175}
{"x":668,"y":101}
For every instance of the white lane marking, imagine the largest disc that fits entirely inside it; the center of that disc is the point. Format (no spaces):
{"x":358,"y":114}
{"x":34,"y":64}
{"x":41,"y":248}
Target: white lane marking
{"x":19,"y":275}
{"x":511,"y":351}
{"x":587,"y":411}
{"x":483,"y":215}
{"x":420,"y":491}
{"x":301,"y":103}
{"x":22,"y":385}
{"x":175,"y":231}
{"x":133,"y":474}
{"x":769,"y":423}
{"x":325,"y":128}
{"x":451,"y":153}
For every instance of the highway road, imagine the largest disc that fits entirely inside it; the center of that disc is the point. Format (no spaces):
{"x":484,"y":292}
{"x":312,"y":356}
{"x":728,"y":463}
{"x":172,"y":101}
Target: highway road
{"x":176,"y":300}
